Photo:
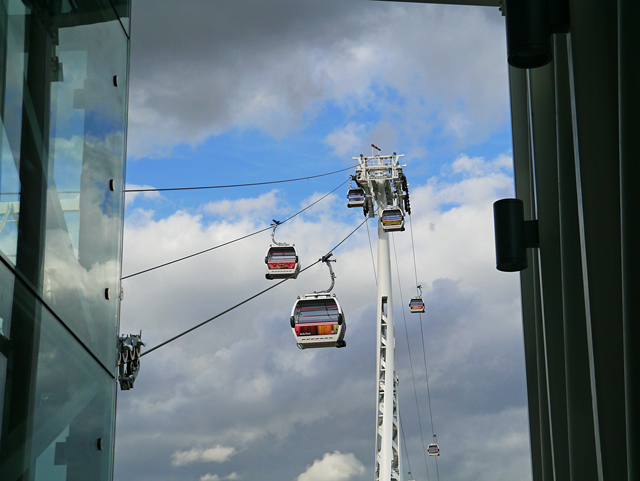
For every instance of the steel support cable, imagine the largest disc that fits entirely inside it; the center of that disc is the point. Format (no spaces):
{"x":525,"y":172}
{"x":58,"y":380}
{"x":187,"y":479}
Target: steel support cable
{"x":406,"y":331}
{"x":404,"y":441}
{"x":239,"y":185}
{"x":373,"y":263}
{"x":426,"y":374}
{"x":248,"y":299}
{"x":234,"y":240}
{"x":424,"y":349}
{"x":152,"y":189}
{"x":413,"y":249}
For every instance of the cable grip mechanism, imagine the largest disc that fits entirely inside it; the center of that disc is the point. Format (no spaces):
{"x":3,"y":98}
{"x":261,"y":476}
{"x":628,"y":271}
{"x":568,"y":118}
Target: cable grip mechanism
{"x":273,"y":235}
{"x":129,"y":352}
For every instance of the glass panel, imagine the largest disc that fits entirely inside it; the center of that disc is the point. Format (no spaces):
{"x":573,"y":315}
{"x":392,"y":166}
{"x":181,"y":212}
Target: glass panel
{"x":62,"y":145}
{"x":282,"y":258}
{"x":12,"y":72}
{"x":316,"y":310}
{"x":59,"y":402}
{"x":86,"y":159}
{"x":74,"y":410}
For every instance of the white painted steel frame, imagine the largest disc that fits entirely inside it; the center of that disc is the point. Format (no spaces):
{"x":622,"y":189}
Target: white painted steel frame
{"x":387,"y":460}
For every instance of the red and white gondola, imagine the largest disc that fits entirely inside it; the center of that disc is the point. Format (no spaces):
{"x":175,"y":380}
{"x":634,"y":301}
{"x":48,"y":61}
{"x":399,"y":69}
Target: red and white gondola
{"x":433,"y":449}
{"x":317,"y":320}
{"x":282,"y":262}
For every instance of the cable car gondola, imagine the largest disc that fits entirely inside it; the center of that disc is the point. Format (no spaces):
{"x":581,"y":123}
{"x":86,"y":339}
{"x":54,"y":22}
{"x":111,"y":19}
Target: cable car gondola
{"x":355,"y":197}
{"x":416,"y":304}
{"x":317,"y":320}
{"x":433,"y":449}
{"x":392,"y":219}
{"x":281,"y":259}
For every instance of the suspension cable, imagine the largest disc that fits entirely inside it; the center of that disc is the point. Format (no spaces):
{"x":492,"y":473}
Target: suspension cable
{"x":413,"y":249}
{"x":404,"y":441}
{"x":371,"y":250}
{"x":249,"y":298}
{"x":234,"y":240}
{"x":424,"y":349}
{"x":406,"y":331}
{"x":151,"y":189}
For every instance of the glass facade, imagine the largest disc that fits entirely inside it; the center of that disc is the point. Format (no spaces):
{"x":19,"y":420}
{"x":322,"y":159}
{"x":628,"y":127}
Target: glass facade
{"x":63,"y":100}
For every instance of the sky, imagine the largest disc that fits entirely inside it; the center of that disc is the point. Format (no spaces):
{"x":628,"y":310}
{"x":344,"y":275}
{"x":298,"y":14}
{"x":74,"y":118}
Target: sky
{"x":244,"y":92}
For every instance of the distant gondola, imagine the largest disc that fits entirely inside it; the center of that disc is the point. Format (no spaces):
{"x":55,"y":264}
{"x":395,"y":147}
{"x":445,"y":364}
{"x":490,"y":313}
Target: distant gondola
{"x":433,"y":450}
{"x":355,"y":197}
{"x":282,"y":262}
{"x":392,"y":219}
{"x":317,"y":320}
{"x":416,"y":304}
{"x":281,"y":259}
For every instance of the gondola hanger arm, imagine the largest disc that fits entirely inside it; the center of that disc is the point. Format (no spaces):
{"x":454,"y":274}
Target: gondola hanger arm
{"x":273,"y":234}
{"x":326,"y":259}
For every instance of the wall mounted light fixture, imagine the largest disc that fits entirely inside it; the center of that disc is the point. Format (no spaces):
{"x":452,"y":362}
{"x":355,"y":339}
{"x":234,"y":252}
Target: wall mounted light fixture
{"x":513,"y":235}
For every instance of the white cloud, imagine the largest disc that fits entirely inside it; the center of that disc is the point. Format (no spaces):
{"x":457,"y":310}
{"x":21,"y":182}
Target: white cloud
{"x":444,"y":65}
{"x":347,"y":139}
{"x":130,"y":197}
{"x":258,"y":206}
{"x":478,"y":166}
{"x":334,"y":466}
{"x":210,"y":477}
{"x":216,"y":454}
{"x":215,"y":477}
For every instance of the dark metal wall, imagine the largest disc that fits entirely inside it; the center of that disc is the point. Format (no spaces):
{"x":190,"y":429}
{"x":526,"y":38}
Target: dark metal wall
{"x":575,"y":134}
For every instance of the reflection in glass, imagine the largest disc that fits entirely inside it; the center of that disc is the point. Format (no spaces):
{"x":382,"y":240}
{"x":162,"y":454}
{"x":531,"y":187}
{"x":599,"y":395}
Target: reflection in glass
{"x":63,"y":89}
{"x":60,"y":401}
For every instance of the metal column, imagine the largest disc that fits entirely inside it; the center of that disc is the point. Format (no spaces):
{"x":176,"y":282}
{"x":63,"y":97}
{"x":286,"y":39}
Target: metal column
{"x":387,"y":446}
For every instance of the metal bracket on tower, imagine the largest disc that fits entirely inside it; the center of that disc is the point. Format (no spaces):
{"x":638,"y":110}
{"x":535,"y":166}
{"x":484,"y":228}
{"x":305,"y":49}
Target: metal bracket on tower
{"x":129,"y":351}
{"x":382,"y":172}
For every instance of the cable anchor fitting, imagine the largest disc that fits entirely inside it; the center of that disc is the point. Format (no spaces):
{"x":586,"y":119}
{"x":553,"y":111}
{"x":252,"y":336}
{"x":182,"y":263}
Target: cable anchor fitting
{"x":129,"y":352}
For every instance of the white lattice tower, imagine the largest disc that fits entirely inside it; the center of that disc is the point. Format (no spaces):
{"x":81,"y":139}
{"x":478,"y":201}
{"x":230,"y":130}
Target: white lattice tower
{"x":385,"y":185}
{"x":387,"y":461}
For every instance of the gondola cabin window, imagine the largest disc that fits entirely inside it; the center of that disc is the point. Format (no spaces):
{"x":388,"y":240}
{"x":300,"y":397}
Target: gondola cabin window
{"x":281,"y":258}
{"x":318,"y":322}
{"x":315,"y":311}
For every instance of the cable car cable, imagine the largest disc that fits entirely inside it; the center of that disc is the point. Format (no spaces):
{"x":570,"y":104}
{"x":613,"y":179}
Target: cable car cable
{"x":234,"y":240}
{"x":371,"y":250}
{"x":424,"y":349}
{"x":406,"y":331}
{"x":238,"y":185}
{"x":220,"y":314}
{"x":404,"y":441}
{"x":415,"y":268}
{"x":248,"y":299}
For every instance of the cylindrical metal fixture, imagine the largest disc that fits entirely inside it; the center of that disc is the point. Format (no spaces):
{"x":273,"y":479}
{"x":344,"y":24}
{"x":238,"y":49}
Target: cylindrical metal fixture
{"x":528,"y":33}
{"x":511,"y":248}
